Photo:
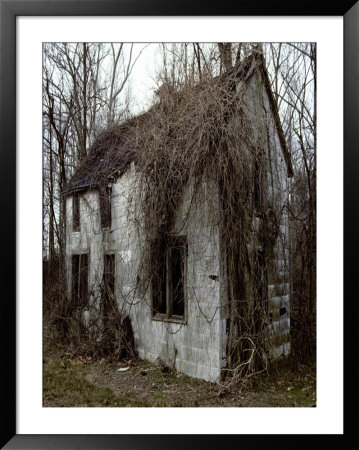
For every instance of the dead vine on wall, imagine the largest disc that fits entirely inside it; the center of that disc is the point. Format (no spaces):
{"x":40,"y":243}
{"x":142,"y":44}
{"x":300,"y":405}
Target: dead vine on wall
{"x":211,"y":133}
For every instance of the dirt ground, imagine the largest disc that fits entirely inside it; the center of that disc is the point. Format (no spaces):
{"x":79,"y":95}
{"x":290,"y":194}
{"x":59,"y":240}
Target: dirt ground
{"x":72,"y":379}
{"x":83,"y":381}
{"x":175,"y":389}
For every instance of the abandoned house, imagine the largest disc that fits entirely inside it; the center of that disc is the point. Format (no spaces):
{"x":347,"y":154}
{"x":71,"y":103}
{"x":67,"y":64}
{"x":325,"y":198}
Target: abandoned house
{"x":177,"y":232}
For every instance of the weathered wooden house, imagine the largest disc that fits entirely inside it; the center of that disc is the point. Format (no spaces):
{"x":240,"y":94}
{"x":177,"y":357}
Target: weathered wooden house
{"x":184,"y":311}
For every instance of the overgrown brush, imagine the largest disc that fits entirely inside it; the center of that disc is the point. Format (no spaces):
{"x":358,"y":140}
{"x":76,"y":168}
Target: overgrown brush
{"x":212,"y":133}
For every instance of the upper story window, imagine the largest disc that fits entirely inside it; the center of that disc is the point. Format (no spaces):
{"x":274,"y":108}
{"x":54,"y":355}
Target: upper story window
{"x":169,"y":280}
{"x":105,"y":207}
{"x":76,"y":212}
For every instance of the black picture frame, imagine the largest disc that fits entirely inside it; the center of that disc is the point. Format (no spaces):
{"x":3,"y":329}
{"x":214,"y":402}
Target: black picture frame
{"x":9,"y":10}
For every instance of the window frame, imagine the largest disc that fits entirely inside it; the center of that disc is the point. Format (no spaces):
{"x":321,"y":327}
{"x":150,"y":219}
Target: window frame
{"x":174,"y":241}
{"x":76,"y":212}
{"x":105,"y":200}
{"x":105,"y":301}
{"x":81,"y":301}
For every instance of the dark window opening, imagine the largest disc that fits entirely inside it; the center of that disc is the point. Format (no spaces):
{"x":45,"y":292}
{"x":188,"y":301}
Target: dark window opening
{"x":159,"y":289}
{"x":80,"y":280}
{"x":105,"y":207}
{"x":175,"y":275}
{"x":282,"y":311}
{"x":168,"y":286}
{"x":108,"y":292}
{"x":76,"y":212}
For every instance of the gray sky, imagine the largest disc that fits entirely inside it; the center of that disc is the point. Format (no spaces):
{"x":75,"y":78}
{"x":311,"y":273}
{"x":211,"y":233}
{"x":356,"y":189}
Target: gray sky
{"x":143,"y":75}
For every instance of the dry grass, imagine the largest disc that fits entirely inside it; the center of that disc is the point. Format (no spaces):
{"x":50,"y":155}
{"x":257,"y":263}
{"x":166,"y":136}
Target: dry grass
{"x":85,"y":382}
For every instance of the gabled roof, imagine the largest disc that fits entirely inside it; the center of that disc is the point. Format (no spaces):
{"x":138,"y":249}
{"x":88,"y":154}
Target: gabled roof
{"x":275,"y":112}
{"x":114,"y":150}
{"x":244,"y":72}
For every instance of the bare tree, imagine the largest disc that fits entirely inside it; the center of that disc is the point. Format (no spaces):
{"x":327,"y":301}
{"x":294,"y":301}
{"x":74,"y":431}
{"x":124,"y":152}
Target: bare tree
{"x":86,"y":88}
{"x":83,"y":84}
{"x":122,"y":62}
{"x":293,"y":70}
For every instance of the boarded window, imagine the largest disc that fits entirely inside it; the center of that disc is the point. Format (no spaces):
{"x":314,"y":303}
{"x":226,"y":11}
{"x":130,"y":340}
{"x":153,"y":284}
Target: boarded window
{"x":80,"y":280}
{"x":105,"y":207}
{"x":76,"y":212}
{"x":168,"y":287}
{"x":108,"y":294}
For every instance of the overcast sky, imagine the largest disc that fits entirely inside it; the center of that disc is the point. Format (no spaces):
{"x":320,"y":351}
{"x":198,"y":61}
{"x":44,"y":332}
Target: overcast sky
{"x":143,"y":75}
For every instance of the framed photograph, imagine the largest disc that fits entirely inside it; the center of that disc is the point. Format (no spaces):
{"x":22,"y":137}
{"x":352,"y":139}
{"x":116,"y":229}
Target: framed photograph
{"x":81,"y":85}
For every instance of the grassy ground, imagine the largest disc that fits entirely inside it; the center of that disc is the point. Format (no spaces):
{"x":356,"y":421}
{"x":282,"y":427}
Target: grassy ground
{"x":79,"y":381}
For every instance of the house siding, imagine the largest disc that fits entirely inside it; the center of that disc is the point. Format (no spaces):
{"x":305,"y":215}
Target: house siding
{"x":192,"y":347}
{"x":279,"y":270}
{"x":197,"y":347}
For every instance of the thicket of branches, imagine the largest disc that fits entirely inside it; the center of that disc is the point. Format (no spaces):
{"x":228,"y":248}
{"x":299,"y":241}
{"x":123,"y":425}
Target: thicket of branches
{"x":85,"y":90}
{"x":215,"y":139}
{"x":294,"y":80}
{"x":206,"y":144}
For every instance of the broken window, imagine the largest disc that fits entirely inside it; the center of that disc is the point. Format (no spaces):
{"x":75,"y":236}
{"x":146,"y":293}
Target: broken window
{"x":168,"y":284}
{"x":80,"y":280}
{"x":108,"y":292}
{"x":76,"y":212}
{"x":105,"y":207}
